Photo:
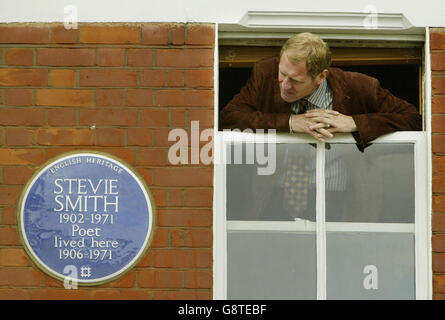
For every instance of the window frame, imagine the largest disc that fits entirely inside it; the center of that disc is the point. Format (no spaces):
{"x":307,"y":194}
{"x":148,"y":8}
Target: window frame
{"x":420,"y":228}
{"x":423,"y":186}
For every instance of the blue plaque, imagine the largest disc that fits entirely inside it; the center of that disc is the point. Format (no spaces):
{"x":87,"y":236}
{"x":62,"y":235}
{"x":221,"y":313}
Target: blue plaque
{"x":87,"y":213}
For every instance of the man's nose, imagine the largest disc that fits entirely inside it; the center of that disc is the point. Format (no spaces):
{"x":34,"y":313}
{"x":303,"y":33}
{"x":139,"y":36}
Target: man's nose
{"x":286,"y":83}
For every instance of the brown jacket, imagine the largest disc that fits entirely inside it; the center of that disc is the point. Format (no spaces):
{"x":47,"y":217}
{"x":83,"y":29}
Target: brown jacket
{"x":375,"y":110}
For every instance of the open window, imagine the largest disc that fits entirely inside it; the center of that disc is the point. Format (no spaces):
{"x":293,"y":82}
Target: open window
{"x":362,"y":231}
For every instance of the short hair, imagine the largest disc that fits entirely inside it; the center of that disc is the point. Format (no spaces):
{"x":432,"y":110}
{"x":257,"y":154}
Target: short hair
{"x":310,"y":48}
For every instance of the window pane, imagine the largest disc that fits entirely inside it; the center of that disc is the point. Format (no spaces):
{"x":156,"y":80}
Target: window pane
{"x":286,"y":194}
{"x":376,"y":185}
{"x":271,"y":265}
{"x":370,"y":266}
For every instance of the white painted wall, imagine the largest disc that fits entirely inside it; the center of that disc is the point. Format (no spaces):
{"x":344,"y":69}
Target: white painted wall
{"x":419,"y":13}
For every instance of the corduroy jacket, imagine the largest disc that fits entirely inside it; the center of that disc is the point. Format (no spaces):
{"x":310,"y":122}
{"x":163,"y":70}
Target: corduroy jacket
{"x":374,"y":109}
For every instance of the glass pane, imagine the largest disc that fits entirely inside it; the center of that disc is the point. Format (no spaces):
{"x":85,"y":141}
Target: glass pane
{"x":286,"y":194}
{"x":370,"y":266}
{"x":271,"y":265}
{"x":376,"y":185}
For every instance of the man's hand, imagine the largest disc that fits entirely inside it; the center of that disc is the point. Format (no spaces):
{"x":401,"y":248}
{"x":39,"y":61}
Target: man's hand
{"x":321,"y":123}
{"x":335,"y":121}
{"x":301,"y":124}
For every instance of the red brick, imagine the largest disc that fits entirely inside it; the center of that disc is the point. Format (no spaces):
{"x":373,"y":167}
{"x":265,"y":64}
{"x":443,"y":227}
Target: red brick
{"x":139,"y":98}
{"x":139,"y":137}
{"x":111,"y":57}
{"x":437,"y":39}
{"x":161,"y":237}
{"x":65,"y":57}
{"x":198,"y":34}
{"x":108,"y":117}
{"x":438,"y":143}
{"x":59,"y":294}
{"x":18,"y":97}
{"x":190,"y":58}
{"x":65,"y":97}
{"x":154,"y":118}
{"x":19,"y":57}
{"x":184,"y":177}
{"x":19,"y":137}
{"x":62,"y":117}
{"x":198,"y":279}
{"x":110,"y":137}
{"x":17,"y":175}
{"x":155,"y":34}
{"x":13,"y":294}
{"x":438,"y":219}
{"x":108,"y":78}
{"x":109,"y":97}
{"x":438,"y":283}
{"x":438,"y":262}
{"x":176,"y":198}
{"x":24,"y":34}
{"x":21,"y":156}
{"x":62,"y":35}
{"x":199,"y":198}
{"x":140,"y":57}
{"x":160,"y":137}
{"x":438,"y":104}
{"x":23,"y":77}
{"x":153,"y":78}
{"x":175,"y":78}
{"x":64,"y":137}
{"x":105,"y":294}
{"x":126,"y":281}
{"x":9,"y":216}
{"x":9,"y":195}
{"x":9,"y":236}
{"x":182,"y":295}
{"x":152,"y":279}
{"x":109,"y":34}
{"x":178,"y":34}
{"x":438,"y":85}
{"x":62,"y":78}
{"x":438,"y":124}
{"x":20,"y":277}
{"x":438,"y":61}
{"x":137,"y":294}
{"x":152,"y":157}
{"x":186,"y":258}
{"x":198,"y":238}
{"x":184,"y":98}
{"x":184,"y":218}
{"x":198,"y":78}
{"x":205,"y":118}
{"x":177,"y":118}
{"x":13,"y":257}
{"x":438,"y":242}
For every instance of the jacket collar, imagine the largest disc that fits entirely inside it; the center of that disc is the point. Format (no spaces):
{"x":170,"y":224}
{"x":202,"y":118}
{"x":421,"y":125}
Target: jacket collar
{"x":340,"y":90}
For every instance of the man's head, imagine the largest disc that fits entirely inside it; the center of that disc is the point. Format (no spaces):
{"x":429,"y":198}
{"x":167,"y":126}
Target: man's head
{"x":304,"y":60}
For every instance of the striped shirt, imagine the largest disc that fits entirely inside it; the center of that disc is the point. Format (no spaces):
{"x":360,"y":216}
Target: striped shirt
{"x":335,"y":172}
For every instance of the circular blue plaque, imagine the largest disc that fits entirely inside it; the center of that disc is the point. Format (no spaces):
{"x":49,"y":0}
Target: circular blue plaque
{"x":86,"y":215}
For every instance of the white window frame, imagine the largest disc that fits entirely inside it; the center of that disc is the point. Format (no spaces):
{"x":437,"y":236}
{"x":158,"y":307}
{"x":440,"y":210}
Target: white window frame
{"x":420,"y":228}
{"x":423,"y":192}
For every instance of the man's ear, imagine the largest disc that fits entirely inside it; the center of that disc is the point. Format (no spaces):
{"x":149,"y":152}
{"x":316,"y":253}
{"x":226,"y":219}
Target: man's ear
{"x":323,"y":75}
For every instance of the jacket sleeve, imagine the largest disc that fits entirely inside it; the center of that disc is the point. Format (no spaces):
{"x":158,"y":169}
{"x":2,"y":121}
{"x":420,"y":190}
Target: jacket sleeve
{"x":384,"y":113}
{"x":246,"y":109}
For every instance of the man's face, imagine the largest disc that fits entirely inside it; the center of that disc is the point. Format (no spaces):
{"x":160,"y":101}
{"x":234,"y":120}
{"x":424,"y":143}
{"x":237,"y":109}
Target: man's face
{"x":294,"y":81}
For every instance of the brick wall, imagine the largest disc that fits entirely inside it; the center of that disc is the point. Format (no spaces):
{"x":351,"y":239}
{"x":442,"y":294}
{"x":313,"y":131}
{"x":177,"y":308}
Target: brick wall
{"x":120,"y":89}
{"x":437,"y":40}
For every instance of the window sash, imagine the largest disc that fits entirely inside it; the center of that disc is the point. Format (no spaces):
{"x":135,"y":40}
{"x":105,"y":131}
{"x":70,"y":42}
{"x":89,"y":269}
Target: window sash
{"x":421,"y":227}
